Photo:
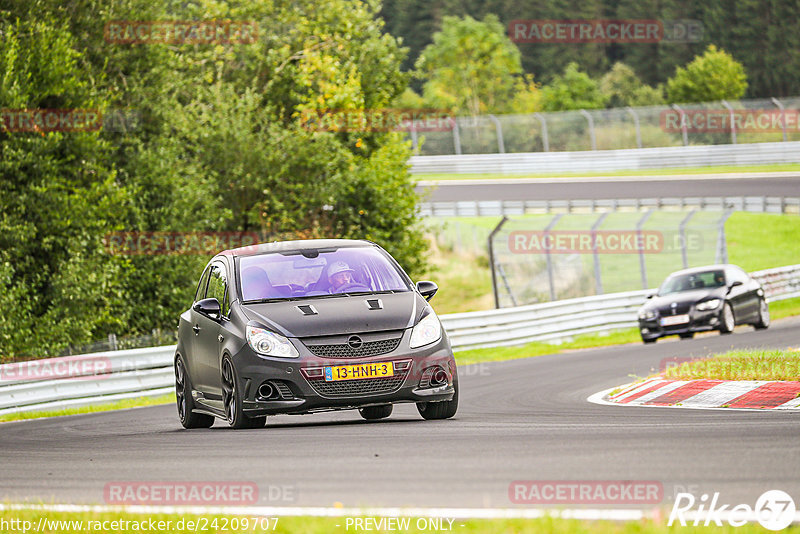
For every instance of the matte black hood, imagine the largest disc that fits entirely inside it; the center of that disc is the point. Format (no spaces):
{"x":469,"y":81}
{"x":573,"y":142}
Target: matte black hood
{"x":339,"y":315}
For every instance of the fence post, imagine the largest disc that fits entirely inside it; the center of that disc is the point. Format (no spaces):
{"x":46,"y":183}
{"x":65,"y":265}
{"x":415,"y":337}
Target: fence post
{"x":491,"y":260}
{"x":590,"y":120}
{"x":642,"y":264}
{"x":783,"y":115}
{"x":682,"y":230}
{"x":598,"y":279}
{"x":501,"y":146}
{"x":636,"y":123}
{"x":545,"y":138}
{"x":733,"y":123}
{"x":549,"y":259}
{"x":456,"y":137}
{"x":685,"y":134}
{"x":722,"y":245}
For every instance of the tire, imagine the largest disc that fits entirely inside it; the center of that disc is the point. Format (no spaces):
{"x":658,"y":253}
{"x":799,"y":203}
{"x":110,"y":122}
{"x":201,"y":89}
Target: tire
{"x":687,"y":335}
{"x":727,"y":320}
{"x":440,"y":410}
{"x":183,"y":393}
{"x":647,"y":341}
{"x":763,"y":315}
{"x":376,"y":412}
{"x":232,"y":399}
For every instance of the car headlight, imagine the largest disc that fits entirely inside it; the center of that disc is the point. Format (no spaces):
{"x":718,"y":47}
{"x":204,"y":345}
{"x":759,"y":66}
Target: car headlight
{"x":712,"y":304}
{"x":427,"y":331}
{"x":269,"y":343}
{"x":647,"y":314}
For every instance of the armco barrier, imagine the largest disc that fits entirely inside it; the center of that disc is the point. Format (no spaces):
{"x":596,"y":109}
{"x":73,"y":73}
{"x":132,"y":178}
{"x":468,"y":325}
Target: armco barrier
{"x":609,"y":160}
{"x":498,"y":208}
{"x":146,"y":372}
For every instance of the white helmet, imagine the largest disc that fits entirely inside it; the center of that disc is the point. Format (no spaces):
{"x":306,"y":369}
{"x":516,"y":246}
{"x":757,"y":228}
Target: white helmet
{"x":338,"y":267}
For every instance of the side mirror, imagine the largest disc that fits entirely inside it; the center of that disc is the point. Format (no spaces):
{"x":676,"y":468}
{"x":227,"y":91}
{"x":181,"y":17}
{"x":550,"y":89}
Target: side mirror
{"x":735,"y":283}
{"x":208,"y":307}
{"x":427,"y":289}
{"x":650,"y":295}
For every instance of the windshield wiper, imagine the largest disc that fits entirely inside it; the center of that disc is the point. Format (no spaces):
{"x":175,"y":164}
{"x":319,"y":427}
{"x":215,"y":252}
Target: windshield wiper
{"x":275,"y":299}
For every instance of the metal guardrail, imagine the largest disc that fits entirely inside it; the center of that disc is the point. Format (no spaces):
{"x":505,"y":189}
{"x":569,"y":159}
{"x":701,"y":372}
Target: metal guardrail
{"x":498,"y":208}
{"x":72,"y":381}
{"x":609,"y":160}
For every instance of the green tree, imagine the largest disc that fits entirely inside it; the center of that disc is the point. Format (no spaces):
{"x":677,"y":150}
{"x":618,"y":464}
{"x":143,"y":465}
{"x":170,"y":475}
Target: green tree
{"x":621,"y":87}
{"x":471,"y":67}
{"x":571,"y":90}
{"x":713,"y":76}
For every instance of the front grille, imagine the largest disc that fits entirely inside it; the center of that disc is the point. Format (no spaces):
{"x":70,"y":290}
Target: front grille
{"x":343,"y":350}
{"x":352,"y":388}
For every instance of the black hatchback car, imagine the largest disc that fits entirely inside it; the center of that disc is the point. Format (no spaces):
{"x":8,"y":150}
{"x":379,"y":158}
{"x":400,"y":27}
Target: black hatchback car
{"x":299,"y":327}
{"x":717,"y":297}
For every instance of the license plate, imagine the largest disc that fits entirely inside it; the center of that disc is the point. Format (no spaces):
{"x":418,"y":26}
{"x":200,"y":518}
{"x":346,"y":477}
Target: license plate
{"x":675,"y":319}
{"x":358,"y":372}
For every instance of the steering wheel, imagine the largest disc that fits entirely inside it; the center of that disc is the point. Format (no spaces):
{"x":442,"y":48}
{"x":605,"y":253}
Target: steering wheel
{"x":352,"y":286}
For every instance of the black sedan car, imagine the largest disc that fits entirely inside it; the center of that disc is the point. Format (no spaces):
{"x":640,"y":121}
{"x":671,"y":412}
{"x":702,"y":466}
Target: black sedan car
{"x":717,"y":297}
{"x":299,"y":327}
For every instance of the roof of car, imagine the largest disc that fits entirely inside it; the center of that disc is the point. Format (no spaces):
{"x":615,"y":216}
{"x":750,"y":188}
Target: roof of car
{"x":704,"y":268}
{"x":300,"y":244}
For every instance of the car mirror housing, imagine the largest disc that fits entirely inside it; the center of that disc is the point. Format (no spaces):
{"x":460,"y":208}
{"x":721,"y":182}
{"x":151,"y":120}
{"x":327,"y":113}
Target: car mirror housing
{"x":427,"y":289}
{"x":650,"y":295}
{"x":208,"y":307}
{"x":736,"y":283}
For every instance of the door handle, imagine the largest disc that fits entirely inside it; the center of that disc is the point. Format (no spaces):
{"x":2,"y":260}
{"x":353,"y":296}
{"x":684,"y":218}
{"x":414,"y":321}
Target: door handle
{"x":196,"y":329}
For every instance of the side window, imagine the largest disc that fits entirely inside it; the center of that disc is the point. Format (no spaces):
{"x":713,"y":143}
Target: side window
{"x":218,"y":286}
{"x":200,"y":294}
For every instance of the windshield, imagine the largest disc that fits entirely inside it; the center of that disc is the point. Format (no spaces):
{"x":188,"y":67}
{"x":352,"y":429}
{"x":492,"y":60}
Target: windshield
{"x":688,"y":282}
{"x":330,"y":272}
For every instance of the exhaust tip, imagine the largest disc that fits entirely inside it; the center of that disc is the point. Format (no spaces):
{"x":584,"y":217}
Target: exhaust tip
{"x":266,"y":390}
{"x":439,"y":378}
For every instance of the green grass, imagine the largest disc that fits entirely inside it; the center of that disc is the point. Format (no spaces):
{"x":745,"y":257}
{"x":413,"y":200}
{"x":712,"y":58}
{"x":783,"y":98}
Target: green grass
{"x":169,"y":398}
{"x":784,"y":308}
{"x":540,"y":348}
{"x":741,"y":365}
{"x":784,"y":167}
{"x":763,"y":240}
{"x":325,"y":525}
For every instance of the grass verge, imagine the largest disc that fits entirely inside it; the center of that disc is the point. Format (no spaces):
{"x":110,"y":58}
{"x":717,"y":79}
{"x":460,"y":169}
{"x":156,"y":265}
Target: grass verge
{"x":741,"y":365}
{"x":169,"y":398}
{"x":787,"y":167}
{"x":540,"y":348}
{"x":57,"y":522}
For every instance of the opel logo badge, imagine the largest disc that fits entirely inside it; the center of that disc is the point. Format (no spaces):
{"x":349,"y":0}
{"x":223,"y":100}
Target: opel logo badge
{"x":355,"y":342}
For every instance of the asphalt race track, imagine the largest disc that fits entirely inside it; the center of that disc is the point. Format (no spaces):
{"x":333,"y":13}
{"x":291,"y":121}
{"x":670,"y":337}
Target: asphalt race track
{"x":609,"y":188}
{"x":518,"y":420}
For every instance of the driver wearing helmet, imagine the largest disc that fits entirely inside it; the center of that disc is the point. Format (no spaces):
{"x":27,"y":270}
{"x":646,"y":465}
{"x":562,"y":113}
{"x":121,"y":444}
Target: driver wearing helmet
{"x":340,"y":275}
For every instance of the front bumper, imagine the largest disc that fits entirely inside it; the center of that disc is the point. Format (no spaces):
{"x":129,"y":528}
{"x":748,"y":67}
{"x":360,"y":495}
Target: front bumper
{"x":699,"y":321}
{"x":301,"y":391}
